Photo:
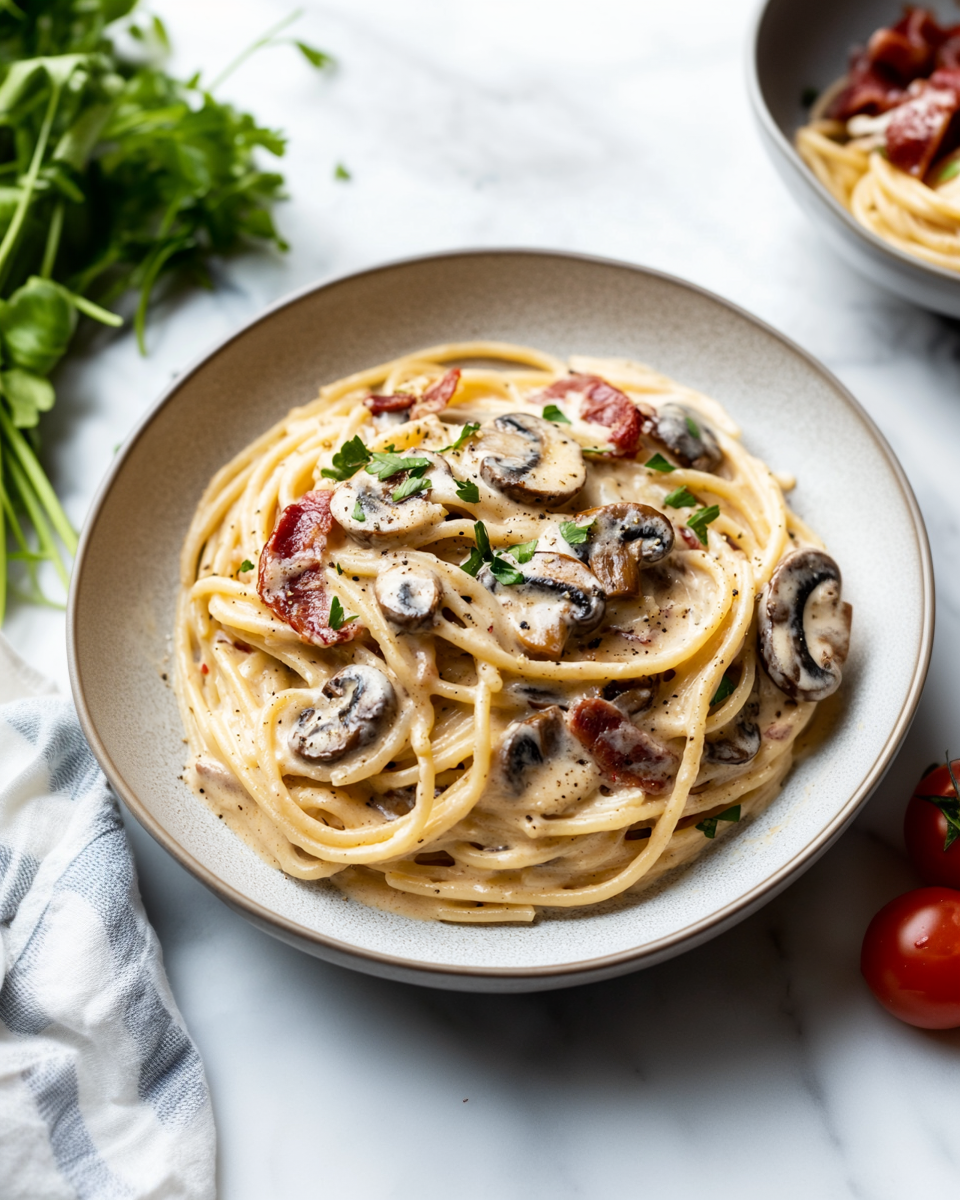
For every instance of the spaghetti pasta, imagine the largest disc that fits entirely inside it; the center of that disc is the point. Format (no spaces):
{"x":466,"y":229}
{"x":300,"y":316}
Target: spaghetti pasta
{"x":475,"y":634}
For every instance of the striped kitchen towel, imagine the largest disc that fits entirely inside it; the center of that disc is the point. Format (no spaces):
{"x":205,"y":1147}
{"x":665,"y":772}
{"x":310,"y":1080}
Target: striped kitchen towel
{"x":102,"y":1092}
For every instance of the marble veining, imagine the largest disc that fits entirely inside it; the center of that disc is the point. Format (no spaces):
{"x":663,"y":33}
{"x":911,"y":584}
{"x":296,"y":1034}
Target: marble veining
{"x":754,"y":1066}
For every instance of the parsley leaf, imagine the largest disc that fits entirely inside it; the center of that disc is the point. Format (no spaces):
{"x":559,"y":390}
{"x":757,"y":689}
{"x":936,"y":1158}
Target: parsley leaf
{"x":337,"y":620}
{"x":410,"y":486}
{"x":358,"y":514}
{"x":692,"y":427}
{"x":341,"y":172}
{"x":339,"y":568}
{"x":708,"y":826}
{"x":467,"y":490}
{"x":348,"y":460}
{"x":472,"y":564}
{"x":725,"y":688}
{"x":246,"y":565}
{"x":504,"y":573}
{"x":466,"y":433}
{"x":681,"y":498}
{"x":552,"y":413}
{"x":482,"y":538}
{"x":701,"y":519}
{"x":950,"y":171}
{"x":523,"y":551}
{"x":659,"y":463}
{"x":386,"y":464}
{"x":573,"y":533}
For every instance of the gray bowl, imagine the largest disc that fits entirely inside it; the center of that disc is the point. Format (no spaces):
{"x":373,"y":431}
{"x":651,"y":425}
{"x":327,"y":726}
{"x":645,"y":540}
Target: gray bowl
{"x":800,"y":44}
{"x":795,"y":415}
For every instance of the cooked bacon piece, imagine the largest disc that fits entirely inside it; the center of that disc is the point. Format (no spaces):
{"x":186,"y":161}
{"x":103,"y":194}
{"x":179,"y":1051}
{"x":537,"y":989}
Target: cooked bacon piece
{"x":603,"y":404}
{"x":919,"y":125}
{"x":388,"y":404}
{"x":893,"y":58}
{"x":291,"y":578}
{"x":623,"y":752}
{"x":436,"y":398}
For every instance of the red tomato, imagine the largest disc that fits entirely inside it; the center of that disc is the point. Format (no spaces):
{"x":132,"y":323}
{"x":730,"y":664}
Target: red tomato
{"x":926,"y":829}
{"x":911,"y":957}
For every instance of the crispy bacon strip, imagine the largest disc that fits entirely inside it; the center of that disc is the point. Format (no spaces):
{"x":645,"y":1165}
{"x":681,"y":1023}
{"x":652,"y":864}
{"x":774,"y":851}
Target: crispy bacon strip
{"x":623,"y":752}
{"x":436,"y":398}
{"x":603,"y":404}
{"x":918,"y":126}
{"x":384,"y":404}
{"x":291,"y":577}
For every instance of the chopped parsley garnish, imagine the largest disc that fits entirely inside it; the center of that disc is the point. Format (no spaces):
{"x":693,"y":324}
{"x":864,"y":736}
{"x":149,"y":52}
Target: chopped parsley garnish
{"x":523,"y":551}
{"x":726,"y":688}
{"x":701,"y":519}
{"x":467,"y":490}
{"x":466,"y":433}
{"x":552,"y":413}
{"x":348,"y":460}
{"x":341,"y":172}
{"x":246,"y":565}
{"x":504,"y":573}
{"x":410,"y":486}
{"x":386,"y":464}
{"x":659,"y":463}
{"x":681,"y":498}
{"x":573,"y":533}
{"x":339,"y":568}
{"x":949,"y":806}
{"x":950,"y":171}
{"x":708,"y":826}
{"x":472,"y":564}
{"x":358,"y":514}
{"x":692,"y":427}
{"x":337,"y":620}
{"x":482,"y":538}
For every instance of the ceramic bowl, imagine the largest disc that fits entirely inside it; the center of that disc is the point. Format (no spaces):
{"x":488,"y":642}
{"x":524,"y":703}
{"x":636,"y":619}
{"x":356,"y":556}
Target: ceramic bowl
{"x":794,"y":414}
{"x":801,"y":44}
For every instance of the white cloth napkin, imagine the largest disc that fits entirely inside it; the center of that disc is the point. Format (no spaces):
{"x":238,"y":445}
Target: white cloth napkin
{"x":102,"y":1092}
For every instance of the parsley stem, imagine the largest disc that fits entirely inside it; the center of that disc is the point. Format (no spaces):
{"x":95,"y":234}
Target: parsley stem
{"x":261,"y":41}
{"x":4,"y":504}
{"x":12,"y":235}
{"x":53,"y":242}
{"x":31,"y":502}
{"x":39,"y":483}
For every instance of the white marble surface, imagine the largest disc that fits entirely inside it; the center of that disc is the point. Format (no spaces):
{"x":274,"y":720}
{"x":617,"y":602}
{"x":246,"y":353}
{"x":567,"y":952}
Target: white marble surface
{"x":755,"y":1066}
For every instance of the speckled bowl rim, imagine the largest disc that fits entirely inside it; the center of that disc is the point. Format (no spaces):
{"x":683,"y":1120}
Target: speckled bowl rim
{"x":566,"y":973}
{"x":806,"y":176}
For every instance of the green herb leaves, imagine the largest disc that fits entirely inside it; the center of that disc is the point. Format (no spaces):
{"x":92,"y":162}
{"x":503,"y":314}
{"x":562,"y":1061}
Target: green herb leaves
{"x":386,"y":464}
{"x":410,"y":486}
{"x":465,"y":434}
{"x":573,"y":533}
{"x":552,"y":413}
{"x":501,"y":570}
{"x":246,"y":565}
{"x":708,"y":826}
{"x":725,"y":688}
{"x":337,"y":619}
{"x":659,"y":463}
{"x":348,"y":460}
{"x":523,"y":551}
{"x":467,"y":490}
{"x":700,"y":520}
{"x":681,"y":498}
{"x":358,"y":513}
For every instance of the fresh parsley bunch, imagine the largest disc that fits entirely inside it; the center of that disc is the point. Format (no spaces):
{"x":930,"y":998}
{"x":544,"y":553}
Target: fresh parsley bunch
{"x":113,"y":175}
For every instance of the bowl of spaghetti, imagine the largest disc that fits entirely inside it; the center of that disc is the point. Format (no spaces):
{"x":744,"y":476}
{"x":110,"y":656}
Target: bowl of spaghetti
{"x":499,"y":621}
{"x":858,"y":104}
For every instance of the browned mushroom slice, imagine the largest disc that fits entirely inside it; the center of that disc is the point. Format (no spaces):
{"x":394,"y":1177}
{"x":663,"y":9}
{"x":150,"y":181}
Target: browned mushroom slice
{"x":632,"y":696}
{"x":621,"y":538}
{"x":409,"y":596}
{"x":356,"y":703}
{"x":528,"y":459}
{"x":365,"y":507}
{"x":559,"y":596}
{"x":689,"y":440}
{"x":804,"y":626}
{"x":540,"y":760}
{"x":737,"y":743}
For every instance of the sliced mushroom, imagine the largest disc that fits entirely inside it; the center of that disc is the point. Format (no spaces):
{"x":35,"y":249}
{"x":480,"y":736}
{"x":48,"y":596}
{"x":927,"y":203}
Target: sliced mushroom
{"x":364,"y":506}
{"x":621,"y":539}
{"x":632,"y":696}
{"x":539,"y":760}
{"x":395,"y":803}
{"x":805,"y":626}
{"x":528,"y":459}
{"x":359,"y":700}
{"x":737,"y":743}
{"x":409,"y":596}
{"x":688,"y":439}
{"x":559,"y":596}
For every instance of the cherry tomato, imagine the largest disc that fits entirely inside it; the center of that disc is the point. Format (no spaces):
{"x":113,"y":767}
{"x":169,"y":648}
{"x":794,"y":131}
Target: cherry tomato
{"x":911,"y":957}
{"x":927,"y":830}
